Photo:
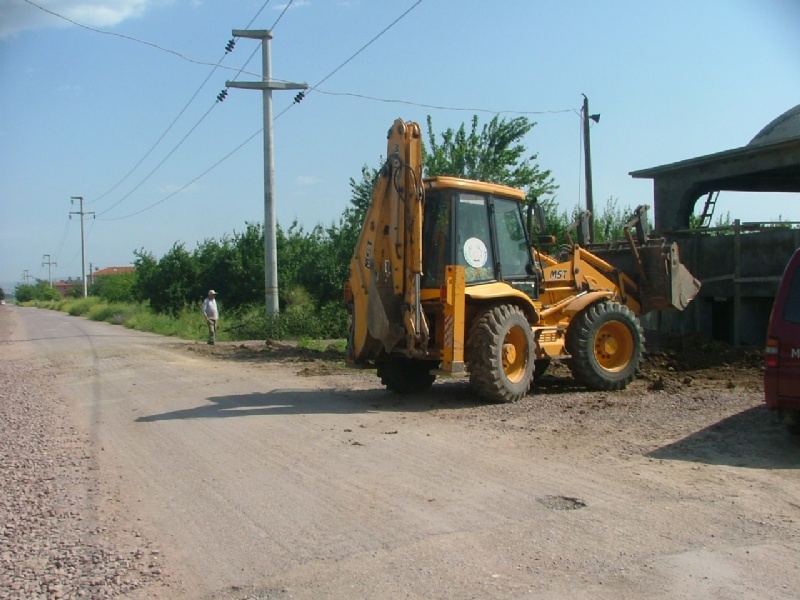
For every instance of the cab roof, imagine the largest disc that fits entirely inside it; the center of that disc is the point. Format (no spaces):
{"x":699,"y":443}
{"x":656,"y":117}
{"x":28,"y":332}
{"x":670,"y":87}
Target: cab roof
{"x":470,"y":185}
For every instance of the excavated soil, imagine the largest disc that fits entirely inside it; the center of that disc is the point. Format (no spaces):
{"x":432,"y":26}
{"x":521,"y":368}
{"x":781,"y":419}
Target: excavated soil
{"x":670,"y":363}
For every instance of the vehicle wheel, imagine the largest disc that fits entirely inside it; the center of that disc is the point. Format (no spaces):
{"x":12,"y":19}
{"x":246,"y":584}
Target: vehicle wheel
{"x":605,"y":341}
{"x":405,"y":376}
{"x":500,"y":354}
{"x":791,"y":418}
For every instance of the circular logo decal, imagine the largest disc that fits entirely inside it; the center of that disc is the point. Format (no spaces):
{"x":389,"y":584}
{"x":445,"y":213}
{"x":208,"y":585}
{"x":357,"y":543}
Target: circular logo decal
{"x":475,"y":252}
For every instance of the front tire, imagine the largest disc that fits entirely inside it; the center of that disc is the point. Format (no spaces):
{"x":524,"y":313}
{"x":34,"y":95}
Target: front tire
{"x":605,"y":341}
{"x":500,"y":354}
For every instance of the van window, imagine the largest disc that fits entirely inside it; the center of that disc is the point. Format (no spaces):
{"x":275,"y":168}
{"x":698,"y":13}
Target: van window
{"x":791,"y":308}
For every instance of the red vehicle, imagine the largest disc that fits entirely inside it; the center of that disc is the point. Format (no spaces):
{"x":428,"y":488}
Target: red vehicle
{"x":782,"y":352}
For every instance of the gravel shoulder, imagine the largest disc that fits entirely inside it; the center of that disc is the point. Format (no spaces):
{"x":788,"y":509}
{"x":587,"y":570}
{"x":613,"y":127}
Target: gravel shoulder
{"x":252,"y":471}
{"x":53,"y":543}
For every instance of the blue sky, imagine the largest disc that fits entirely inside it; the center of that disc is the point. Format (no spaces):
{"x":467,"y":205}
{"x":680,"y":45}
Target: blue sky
{"x":79,"y":109}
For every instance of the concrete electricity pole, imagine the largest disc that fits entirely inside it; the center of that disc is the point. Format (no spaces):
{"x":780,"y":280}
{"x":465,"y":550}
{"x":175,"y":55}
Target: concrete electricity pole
{"x":26,"y":277}
{"x":266,"y":86}
{"x":587,"y":151}
{"x":46,"y":261}
{"x":81,"y":212}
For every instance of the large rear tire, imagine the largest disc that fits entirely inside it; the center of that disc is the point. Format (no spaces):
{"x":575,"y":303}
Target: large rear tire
{"x":500,"y":354}
{"x":605,"y":341}
{"x":405,"y":376}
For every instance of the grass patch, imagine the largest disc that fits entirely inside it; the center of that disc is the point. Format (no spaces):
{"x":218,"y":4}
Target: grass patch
{"x":116,"y":313}
{"x":80,"y":306}
{"x":317,"y":330}
{"x":322,"y":345}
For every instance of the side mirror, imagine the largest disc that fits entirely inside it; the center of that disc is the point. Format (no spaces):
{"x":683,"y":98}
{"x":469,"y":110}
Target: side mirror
{"x":535,"y":211}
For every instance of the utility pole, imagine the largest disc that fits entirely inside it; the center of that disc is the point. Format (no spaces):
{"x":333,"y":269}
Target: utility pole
{"x":26,"y":277}
{"x":266,"y":85}
{"x":587,"y":161}
{"x":46,"y":261}
{"x":81,"y":212}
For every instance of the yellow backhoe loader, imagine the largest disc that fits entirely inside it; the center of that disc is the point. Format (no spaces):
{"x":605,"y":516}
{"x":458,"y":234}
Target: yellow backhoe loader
{"x":448,"y":278}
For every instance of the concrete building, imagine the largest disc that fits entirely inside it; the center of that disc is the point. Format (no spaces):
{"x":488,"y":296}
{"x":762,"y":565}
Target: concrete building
{"x":740,"y":267}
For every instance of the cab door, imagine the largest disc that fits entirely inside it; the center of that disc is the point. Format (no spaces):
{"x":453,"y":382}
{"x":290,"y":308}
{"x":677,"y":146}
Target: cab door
{"x":784,"y":332}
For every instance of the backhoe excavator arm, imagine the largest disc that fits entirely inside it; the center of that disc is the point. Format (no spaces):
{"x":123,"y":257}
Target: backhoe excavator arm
{"x":387,"y":263}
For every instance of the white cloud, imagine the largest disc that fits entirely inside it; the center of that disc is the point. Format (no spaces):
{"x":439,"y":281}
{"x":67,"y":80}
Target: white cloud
{"x":295,"y":4}
{"x":18,"y":15}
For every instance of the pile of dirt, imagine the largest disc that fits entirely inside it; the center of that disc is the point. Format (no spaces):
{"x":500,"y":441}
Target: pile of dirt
{"x":671,"y":363}
{"x":699,"y":361}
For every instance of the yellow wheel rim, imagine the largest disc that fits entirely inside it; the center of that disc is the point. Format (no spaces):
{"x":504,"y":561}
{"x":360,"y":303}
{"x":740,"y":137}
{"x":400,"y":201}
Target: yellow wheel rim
{"x":613,"y":346}
{"x":515,"y":354}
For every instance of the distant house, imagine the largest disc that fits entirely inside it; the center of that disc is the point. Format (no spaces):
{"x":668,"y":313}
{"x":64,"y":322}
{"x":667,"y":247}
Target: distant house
{"x":110,"y":271}
{"x":66,"y":287}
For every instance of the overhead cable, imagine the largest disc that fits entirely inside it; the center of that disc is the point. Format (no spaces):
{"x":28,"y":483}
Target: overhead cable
{"x":203,"y":174}
{"x":134,"y":39}
{"x":228,"y":48}
{"x":453,"y":108}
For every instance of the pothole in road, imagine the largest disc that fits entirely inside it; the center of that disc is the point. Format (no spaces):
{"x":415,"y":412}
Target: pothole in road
{"x":561,"y":502}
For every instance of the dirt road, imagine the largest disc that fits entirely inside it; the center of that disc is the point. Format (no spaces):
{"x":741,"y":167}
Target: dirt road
{"x":252,"y":472}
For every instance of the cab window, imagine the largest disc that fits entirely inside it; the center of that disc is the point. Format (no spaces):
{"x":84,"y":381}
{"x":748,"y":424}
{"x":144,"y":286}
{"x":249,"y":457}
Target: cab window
{"x":436,"y":226}
{"x":473,"y":238}
{"x":512,"y":245}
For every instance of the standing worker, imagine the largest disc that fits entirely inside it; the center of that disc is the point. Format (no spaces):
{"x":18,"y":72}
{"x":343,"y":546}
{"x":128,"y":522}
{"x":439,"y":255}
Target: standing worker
{"x":211,"y":313}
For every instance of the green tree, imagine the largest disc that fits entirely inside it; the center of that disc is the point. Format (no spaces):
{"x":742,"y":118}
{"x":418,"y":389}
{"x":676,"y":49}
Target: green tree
{"x":360,"y":199}
{"x":116,"y":287}
{"x":171,"y":283}
{"x":609,"y":223}
{"x":495,"y":154}
{"x":234,"y":266}
{"x":40,"y":291}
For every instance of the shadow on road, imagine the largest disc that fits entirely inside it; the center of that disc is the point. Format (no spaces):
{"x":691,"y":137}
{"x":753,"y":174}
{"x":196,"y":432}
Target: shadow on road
{"x":752,"y":438}
{"x":447,"y":396}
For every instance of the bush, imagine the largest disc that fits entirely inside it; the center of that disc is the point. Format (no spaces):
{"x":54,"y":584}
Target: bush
{"x":81,"y":306}
{"x":116,"y":313}
{"x":298,"y":321}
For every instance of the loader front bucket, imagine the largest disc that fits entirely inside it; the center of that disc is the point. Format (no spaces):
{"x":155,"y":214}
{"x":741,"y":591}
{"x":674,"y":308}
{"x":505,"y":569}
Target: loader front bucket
{"x":664,"y":282}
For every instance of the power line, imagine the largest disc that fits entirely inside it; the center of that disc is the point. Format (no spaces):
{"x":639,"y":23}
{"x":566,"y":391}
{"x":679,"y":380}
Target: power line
{"x":280,"y":16}
{"x":171,"y":152}
{"x":161,"y":163}
{"x":365,"y":46}
{"x":338,"y":68}
{"x":453,"y":108}
{"x":132,"y":39}
{"x":352,"y":56}
{"x":228,"y":49}
{"x":63,"y":239}
{"x":230,"y":46}
{"x":203,"y":174}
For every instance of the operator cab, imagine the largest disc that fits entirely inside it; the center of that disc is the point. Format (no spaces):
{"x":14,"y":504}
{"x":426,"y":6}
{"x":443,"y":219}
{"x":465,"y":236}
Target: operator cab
{"x":478,"y":226}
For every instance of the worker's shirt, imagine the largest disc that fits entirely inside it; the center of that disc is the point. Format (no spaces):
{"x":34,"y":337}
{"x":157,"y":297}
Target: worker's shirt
{"x":210,"y":308}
